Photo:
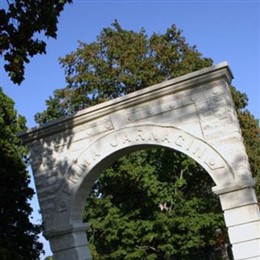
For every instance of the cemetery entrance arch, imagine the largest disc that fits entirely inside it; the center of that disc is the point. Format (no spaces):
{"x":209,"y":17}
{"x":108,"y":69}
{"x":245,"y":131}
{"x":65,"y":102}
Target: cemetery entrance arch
{"x":193,"y":114}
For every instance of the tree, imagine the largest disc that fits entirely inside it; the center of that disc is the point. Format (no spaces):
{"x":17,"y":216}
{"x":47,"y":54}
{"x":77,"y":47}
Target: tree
{"x":18,"y":236}
{"x":118,"y":63}
{"x":20,"y":27}
{"x":151,"y":211}
{"x":152,"y":204}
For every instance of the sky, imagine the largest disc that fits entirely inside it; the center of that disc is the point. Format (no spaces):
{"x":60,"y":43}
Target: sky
{"x":224,"y":30}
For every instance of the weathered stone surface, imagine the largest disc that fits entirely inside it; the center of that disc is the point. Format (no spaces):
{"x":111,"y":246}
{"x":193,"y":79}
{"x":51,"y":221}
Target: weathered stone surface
{"x":193,"y":114}
{"x":241,"y":215}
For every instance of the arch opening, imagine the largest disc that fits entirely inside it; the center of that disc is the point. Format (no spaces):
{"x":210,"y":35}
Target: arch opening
{"x":155,"y":190}
{"x":110,"y":147}
{"x":117,"y":143}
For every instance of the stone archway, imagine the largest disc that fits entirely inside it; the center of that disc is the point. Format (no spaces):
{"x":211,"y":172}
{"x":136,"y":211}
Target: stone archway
{"x":193,"y":114}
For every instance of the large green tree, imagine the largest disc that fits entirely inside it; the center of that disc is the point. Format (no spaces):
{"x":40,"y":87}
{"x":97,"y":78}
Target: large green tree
{"x":117,"y":63}
{"x":20,"y":25}
{"x":155,"y":203}
{"x":18,"y":236}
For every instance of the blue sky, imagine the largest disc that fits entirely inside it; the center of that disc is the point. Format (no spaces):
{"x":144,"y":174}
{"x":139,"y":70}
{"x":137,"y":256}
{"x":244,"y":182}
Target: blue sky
{"x":223,"y":30}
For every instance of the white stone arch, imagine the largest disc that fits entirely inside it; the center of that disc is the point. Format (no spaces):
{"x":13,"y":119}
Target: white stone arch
{"x":95,"y":158}
{"x":110,"y":147}
{"x":193,"y":114}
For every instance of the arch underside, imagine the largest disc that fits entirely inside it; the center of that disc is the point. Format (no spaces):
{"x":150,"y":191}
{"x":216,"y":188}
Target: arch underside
{"x":94,"y":159}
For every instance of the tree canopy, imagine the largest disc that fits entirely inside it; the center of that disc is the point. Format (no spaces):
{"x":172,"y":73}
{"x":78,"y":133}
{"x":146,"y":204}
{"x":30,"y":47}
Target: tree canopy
{"x":20,"y":27}
{"x":155,"y":203}
{"x":18,"y":236}
{"x":117,"y":63}
{"x":152,"y":205}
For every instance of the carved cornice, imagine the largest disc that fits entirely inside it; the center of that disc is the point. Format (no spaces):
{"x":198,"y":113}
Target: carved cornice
{"x":194,"y":79}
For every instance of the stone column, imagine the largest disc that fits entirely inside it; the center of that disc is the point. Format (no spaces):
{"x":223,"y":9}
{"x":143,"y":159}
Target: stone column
{"x":242,"y":218}
{"x":70,"y":242}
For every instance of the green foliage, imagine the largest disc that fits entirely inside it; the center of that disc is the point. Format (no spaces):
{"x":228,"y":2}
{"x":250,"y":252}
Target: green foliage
{"x":117,"y":63}
{"x":49,"y":258}
{"x":18,"y":28}
{"x":18,"y":236}
{"x":152,"y":204}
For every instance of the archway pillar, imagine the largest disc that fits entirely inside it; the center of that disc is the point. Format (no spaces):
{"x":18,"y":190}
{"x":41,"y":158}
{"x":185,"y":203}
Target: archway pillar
{"x":242,"y":218}
{"x":70,"y":242}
